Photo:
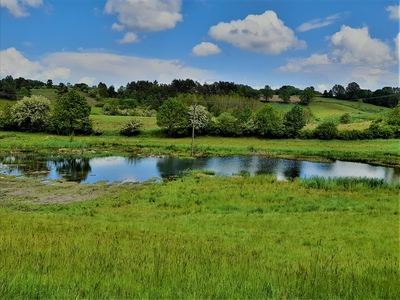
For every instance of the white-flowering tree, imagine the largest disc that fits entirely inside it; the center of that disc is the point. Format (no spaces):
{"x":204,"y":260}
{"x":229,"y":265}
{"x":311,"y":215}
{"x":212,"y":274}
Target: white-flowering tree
{"x":31,"y":113}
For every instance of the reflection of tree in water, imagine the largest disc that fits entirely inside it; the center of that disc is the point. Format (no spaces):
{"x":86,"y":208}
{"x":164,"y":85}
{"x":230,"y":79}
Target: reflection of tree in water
{"x":171,"y":166}
{"x":73,"y":169}
{"x":267,"y":166}
{"x":292,"y":169}
{"x":27,"y":165}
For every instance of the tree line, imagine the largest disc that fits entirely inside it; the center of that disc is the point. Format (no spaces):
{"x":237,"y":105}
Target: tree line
{"x":153,"y":94}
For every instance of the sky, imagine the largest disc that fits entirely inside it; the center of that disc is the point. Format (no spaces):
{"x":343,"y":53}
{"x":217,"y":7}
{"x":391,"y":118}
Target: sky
{"x":302,"y":43}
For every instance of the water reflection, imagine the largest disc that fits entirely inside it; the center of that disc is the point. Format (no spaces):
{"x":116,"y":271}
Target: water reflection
{"x":123,"y":169}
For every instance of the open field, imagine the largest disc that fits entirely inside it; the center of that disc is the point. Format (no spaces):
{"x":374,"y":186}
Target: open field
{"x":199,"y":237}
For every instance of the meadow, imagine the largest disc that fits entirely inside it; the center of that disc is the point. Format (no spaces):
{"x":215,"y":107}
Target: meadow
{"x":200,"y":237}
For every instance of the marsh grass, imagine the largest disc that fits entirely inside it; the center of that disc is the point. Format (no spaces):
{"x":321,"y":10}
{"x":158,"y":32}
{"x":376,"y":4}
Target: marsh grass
{"x":204,"y":237}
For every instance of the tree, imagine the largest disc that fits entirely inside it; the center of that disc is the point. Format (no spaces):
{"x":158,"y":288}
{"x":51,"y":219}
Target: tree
{"x":307,"y":96}
{"x":285,"y":95}
{"x":31,"y":113}
{"x":268,"y":122}
{"x":102,"y":90}
{"x":338,"y":91}
{"x":352,"y":91}
{"x":267,"y":92}
{"x":61,"y":89}
{"x":173,"y":115}
{"x":8,"y":88}
{"x":71,"y":114}
{"x":49,"y":83}
{"x":201,"y":118}
{"x":294,"y":120}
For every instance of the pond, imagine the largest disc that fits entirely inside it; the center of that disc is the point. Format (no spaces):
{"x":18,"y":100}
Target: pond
{"x":128,"y":169}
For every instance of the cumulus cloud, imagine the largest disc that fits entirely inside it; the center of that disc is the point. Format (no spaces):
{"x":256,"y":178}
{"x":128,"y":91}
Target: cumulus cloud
{"x":355,"y":46}
{"x":16,"y":64}
{"x":397,"y":46}
{"x":394,"y":12}
{"x":129,"y":38}
{"x":117,"y":27}
{"x":259,"y":33}
{"x":317,"y":23}
{"x":18,"y":8}
{"x":205,"y":49}
{"x":91,"y":66}
{"x":146,"y":16}
{"x":296,"y":65}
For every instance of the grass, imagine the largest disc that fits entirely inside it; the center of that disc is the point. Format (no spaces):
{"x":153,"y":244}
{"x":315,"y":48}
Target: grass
{"x":200,"y":237}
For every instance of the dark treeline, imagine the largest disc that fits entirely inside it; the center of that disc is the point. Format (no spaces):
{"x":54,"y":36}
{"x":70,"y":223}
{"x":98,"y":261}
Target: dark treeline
{"x":154,"y":93}
{"x":387,"y":96}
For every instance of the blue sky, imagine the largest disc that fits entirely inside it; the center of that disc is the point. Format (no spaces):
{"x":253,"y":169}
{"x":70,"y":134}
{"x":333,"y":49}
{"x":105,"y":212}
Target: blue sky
{"x":303,"y":43}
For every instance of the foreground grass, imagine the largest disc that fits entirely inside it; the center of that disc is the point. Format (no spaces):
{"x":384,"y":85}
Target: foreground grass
{"x":200,"y":237}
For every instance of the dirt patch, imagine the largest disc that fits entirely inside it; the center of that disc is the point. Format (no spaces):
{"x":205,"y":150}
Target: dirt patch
{"x":14,"y":189}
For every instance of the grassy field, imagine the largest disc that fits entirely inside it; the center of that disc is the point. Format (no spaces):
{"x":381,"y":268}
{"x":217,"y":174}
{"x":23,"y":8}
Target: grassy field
{"x":200,"y":237}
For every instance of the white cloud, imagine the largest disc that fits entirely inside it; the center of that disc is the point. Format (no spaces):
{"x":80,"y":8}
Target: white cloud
{"x":394,"y":12}
{"x":88,"y":67}
{"x":117,"y":27}
{"x":322,"y":87}
{"x":355,"y":46}
{"x":397,"y":46}
{"x":18,"y":8}
{"x":14,"y":63}
{"x":149,"y":15}
{"x":296,"y":65}
{"x":317,"y":23}
{"x":259,"y":33}
{"x":129,"y":38}
{"x":205,"y":49}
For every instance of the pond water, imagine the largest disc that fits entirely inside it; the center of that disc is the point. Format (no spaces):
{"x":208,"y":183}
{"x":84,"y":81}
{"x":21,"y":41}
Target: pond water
{"x":128,"y":169}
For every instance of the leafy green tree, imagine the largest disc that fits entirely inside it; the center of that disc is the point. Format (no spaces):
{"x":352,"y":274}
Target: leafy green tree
{"x":173,"y":116}
{"x":49,"y":84}
{"x":326,"y":131}
{"x":307,"y":96}
{"x":285,"y":95}
{"x":267,"y":92}
{"x":61,"y":89}
{"x":71,"y":114}
{"x":353,"y":91}
{"x":268,"y":122}
{"x":102,"y":90}
{"x":24,"y":92}
{"x":294,"y":120}
{"x":31,"y":113}
{"x":8,"y":88}
{"x":338,"y":91}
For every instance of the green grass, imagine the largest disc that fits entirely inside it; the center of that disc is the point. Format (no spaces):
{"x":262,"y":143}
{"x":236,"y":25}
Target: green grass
{"x":200,"y":237}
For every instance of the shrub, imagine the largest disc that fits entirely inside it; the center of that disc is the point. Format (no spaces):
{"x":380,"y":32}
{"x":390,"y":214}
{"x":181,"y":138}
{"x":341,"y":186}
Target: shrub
{"x":381,"y":131}
{"x":345,"y":118}
{"x":131,"y":127}
{"x":326,"y":131}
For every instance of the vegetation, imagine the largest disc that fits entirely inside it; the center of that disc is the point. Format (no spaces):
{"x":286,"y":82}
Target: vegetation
{"x":200,"y":237}
{"x":131,"y":127}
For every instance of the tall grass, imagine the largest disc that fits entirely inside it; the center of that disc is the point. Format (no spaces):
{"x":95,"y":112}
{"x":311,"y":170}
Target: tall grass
{"x":201,"y":237}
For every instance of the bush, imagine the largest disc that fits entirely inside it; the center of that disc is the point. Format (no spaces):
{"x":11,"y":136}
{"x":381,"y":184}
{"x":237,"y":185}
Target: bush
{"x":131,"y":127}
{"x":345,"y":118}
{"x":326,"y":131}
{"x":349,"y":135}
{"x":381,"y":131}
